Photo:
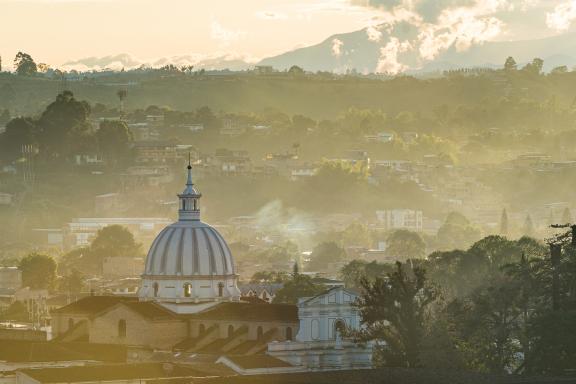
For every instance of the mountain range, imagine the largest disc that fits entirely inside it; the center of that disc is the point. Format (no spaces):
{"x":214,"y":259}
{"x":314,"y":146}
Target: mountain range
{"x":354,"y":50}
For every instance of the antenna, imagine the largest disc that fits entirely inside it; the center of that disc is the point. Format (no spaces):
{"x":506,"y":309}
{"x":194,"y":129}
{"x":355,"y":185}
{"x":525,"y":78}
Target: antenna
{"x":189,"y":162}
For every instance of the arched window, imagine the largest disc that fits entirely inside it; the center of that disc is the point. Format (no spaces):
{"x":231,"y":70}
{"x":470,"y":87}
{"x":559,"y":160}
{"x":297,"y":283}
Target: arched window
{"x":259,"y":333}
{"x":122,"y":328}
{"x":230,"y":330}
{"x":183,"y":204}
{"x":220,"y":289}
{"x":289,"y":333}
{"x":70,"y":323}
{"x":187,"y":290}
{"x":201,"y":329}
{"x":155,"y":289}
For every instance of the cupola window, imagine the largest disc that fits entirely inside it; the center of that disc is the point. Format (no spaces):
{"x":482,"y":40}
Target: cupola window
{"x":187,"y":290}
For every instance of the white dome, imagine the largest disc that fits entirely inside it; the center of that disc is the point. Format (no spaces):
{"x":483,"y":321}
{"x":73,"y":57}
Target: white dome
{"x":189,"y":261}
{"x":189,"y":248}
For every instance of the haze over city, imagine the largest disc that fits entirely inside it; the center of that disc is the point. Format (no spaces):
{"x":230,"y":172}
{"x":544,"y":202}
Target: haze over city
{"x":320,"y":191}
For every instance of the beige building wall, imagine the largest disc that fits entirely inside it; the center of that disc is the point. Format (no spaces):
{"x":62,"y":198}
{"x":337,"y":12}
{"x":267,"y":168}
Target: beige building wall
{"x":139,"y":330}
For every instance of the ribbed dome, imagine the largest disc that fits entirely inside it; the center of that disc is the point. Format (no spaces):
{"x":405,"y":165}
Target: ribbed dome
{"x":189,"y":261}
{"x":189,"y":248}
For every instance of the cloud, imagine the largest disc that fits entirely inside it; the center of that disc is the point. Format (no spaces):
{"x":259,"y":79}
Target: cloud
{"x":223,"y":35}
{"x":429,"y":27}
{"x":374,"y":33}
{"x":562,"y":16}
{"x":388,"y":60}
{"x":337,"y":47}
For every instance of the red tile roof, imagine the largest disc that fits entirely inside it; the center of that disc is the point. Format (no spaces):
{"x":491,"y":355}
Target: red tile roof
{"x":115,"y":372}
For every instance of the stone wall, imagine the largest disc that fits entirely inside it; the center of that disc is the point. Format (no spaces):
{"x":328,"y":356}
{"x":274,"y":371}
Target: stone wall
{"x":139,"y":329}
{"x":22,"y":334}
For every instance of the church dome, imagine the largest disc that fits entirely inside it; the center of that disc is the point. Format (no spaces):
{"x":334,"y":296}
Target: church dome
{"x":189,"y":248}
{"x":189,"y":261}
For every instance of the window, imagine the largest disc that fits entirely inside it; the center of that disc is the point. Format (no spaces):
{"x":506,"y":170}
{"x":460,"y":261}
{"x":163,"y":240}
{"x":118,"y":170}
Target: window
{"x":339,"y":327}
{"x":230,"y":330}
{"x":315,"y":331}
{"x":70,"y":323}
{"x":183,"y":204}
{"x":122,"y":328}
{"x":155,"y":289}
{"x":187,"y":290}
{"x":220,"y":289}
{"x":289,"y":333}
{"x":259,"y":334}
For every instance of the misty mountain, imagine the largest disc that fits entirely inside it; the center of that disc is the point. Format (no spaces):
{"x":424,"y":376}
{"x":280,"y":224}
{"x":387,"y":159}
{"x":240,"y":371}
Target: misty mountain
{"x":354,"y":50}
{"x":126,"y":61}
{"x":360,"y":53}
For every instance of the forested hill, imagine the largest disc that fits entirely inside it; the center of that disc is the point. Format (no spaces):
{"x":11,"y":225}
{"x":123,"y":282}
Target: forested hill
{"x":318,"y":96}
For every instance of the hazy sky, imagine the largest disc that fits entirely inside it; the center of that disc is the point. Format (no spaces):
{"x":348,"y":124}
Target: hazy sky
{"x":55,"y":31}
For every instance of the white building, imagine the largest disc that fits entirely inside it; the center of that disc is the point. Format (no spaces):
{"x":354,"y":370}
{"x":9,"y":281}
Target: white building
{"x":400,"y":219}
{"x":319,"y":344}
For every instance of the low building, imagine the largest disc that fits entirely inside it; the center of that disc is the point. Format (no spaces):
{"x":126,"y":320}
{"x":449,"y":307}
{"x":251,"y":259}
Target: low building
{"x":5,"y":198}
{"x":392,"y":219}
{"x":10,"y":278}
{"x":265,"y":292}
{"x":117,"y":374}
{"x":320,"y":344}
{"x":80,"y":232}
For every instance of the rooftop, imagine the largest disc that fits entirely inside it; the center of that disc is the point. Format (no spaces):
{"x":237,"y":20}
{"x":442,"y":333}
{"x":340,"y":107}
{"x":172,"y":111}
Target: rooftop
{"x":31,"y":351}
{"x":111,"y":373}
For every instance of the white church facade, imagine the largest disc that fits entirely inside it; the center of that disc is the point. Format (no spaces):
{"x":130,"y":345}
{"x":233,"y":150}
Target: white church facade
{"x":320,"y":344}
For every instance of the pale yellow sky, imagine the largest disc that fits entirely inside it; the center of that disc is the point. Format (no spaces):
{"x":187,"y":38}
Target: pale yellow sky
{"x":55,"y":31}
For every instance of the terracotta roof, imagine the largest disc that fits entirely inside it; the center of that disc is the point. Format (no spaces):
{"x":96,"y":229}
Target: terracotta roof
{"x":250,"y":312}
{"x":116,"y":372}
{"x":92,"y":305}
{"x":364,"y":376}
{"x":150,"y":310}
{"x":29,"y":351}
{"x":257,"y":361}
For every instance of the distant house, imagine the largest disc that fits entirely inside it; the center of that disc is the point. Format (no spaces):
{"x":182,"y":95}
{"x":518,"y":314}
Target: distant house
{"x":265,"y":292}
{"x":88,"y":159}
{"x":162,"y":152}
{"x":5,"y":198}
{"x":263,"y":70}
{"x":381,"y":137}
{"x":409,"y":219}
{"x":10,"y":278}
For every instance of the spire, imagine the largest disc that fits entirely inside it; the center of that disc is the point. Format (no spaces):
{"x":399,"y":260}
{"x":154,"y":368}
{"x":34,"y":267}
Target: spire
{"x":189,"y":199}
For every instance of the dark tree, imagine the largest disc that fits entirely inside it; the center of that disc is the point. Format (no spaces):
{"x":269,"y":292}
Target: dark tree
{"x":298,"y":287}
{"x":24,"y":64}
{"x":114,"y":140}
{"x":64,"y":126}
{"x":403,"y":245}
{"x":323,"y":254}
{"x":510,"y":64}
{"x":504,"y":223}
{"x":115,"y":241}
{"x":38,"y":271}
{"x":19,"y":131}
{"x":394,"y":310}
